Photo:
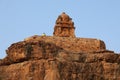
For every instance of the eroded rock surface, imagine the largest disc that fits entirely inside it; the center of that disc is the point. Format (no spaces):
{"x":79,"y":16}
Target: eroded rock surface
{"x":59,"y":58}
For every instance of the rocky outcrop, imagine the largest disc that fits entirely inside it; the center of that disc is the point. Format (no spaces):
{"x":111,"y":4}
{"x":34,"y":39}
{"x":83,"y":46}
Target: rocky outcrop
{"x":59,"y":58}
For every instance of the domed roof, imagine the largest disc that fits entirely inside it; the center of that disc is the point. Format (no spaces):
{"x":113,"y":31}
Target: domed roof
{"x":64,"y":16}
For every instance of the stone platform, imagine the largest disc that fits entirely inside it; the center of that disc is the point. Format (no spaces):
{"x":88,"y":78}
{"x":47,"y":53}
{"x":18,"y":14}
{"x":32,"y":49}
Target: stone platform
{"x":72,"y":44}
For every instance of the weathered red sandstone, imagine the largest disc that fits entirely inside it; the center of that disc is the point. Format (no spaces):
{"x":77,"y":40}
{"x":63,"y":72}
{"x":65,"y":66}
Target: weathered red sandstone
{"x":60,"y":57}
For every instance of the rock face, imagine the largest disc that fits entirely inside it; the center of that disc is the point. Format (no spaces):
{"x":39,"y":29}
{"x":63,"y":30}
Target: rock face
{"x":60,"y":57}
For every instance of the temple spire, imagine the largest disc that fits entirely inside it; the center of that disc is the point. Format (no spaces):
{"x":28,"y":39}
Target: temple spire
{"x":64,"y":26}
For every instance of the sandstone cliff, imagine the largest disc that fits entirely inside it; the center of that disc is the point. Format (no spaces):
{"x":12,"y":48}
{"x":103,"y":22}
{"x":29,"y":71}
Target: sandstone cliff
{"x":59,"y":58}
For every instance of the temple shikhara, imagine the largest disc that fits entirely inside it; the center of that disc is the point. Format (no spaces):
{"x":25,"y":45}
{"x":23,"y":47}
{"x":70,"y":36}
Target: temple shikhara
{"x":64,"y":26}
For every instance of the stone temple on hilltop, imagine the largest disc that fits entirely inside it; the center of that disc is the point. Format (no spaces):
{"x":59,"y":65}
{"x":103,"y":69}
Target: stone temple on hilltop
{"x":60,"y":57}
{"x":64,"y":26}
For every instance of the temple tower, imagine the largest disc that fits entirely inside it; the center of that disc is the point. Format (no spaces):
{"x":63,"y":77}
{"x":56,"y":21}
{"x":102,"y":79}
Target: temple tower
{"x":64,"y":26}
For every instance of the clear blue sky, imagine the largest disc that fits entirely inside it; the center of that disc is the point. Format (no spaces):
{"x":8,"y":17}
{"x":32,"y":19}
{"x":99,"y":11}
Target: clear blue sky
{"x":93,"y":19}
